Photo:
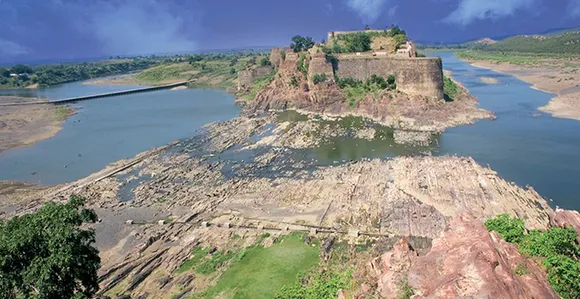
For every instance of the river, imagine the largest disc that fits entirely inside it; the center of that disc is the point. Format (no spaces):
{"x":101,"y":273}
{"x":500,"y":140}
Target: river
{"x":109,"y":129}
{"x":523,"y":145}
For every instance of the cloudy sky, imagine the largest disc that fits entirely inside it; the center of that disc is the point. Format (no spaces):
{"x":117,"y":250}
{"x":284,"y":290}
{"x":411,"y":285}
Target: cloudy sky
{"x":32,"y":30}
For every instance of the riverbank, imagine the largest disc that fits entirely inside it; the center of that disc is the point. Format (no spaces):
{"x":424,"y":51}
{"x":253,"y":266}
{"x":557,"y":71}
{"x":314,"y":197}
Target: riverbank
{"x":240,"y":184}
{"x":24,"y":125}
{"x":550,"y":75}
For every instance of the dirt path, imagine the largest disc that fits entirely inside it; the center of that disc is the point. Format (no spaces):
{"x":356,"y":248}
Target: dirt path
{"x":27,"y":124}
{"x":550,"y":77}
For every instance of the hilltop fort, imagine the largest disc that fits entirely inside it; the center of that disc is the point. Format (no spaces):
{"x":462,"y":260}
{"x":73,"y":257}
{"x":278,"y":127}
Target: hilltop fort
{"x":372,"y":73}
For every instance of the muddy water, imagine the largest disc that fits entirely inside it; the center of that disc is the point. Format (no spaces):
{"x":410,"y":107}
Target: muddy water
{"x":109,"y":129}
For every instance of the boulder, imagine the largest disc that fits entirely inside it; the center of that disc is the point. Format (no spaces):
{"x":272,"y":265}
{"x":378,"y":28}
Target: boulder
{"x":391,"y":268}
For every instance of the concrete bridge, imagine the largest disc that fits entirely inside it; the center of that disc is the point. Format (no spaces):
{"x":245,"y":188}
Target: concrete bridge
{"x":101,"y":95}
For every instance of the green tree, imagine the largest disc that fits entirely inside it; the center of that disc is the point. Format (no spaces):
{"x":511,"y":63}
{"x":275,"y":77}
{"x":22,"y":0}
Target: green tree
{"x":265,"y":61}
{"x":359,"y":42}
{"x":21,"y":69}
{"x":367,"y":27}
{"x":300,"y":43}
{"x":4,"y":73}
{"x":48,"y":255}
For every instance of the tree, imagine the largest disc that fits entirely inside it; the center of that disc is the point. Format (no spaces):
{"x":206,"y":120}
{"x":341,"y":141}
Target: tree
{"x":359,"y":42}
{"x":4,"y":73}
{"x":300,"y":43}
{"x":367,"y":27}
{"x":48,"y":255}
{"x":265,"y":61}
{"x":21,"y":69}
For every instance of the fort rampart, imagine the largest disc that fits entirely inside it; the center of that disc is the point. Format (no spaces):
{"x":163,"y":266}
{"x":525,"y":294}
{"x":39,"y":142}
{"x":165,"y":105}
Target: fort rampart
{"x":420,"y":76}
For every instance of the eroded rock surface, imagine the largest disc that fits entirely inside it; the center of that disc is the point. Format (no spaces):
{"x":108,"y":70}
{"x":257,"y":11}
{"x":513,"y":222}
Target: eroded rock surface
{"x":467,"y":261}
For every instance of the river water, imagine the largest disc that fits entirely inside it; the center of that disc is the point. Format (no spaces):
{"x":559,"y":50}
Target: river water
{"x":109,"y":129}
{"x":523,"y":145}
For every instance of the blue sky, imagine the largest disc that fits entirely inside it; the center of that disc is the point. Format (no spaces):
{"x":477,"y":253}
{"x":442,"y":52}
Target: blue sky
{"x":33,"y":30}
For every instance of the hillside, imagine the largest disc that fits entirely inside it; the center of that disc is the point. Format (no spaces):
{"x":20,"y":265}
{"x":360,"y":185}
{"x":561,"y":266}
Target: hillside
{"x":558,"y":42}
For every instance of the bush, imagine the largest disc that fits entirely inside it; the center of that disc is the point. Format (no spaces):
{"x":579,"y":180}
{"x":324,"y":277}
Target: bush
{"x":450,"y":88}
{"x":302,"y":65}
{"x":557,"y":246}
{"x":319,"y":78}
{"x":318,"y":285}
{"x":510,"y":229}
{"x":293,"y":81}
{"x":265,"y":61}
{"x":553,"y":242}
{"x":564,"y":276}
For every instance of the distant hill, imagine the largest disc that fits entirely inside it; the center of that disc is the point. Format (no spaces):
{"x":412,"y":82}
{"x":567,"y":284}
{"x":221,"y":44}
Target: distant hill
{"x":558,"y":41}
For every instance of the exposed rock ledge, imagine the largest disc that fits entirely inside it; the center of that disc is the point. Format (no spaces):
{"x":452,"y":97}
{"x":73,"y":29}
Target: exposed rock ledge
{"x":466,"y":262}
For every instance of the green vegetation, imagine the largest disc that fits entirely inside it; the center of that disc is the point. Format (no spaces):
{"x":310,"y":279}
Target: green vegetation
{"x":302,"y":64}
{"x":197,"y":254}
{"x":208,"y":65}
{"x":557,"y":247}
{"x":300,"y":43}
{"x":259,"y":272}
{"x":48,"y":255}
{"x":362,"y":41}
{"x":450,"y":89}
{"x":315,"y":285}
{"x":319,"y":78}
{"x":201,"y":264}
{"x":293,"y":81}
{"x":522,"y":270}
{"x":405,"y":291}
{"x":61,"y":112}
{"x":47,"y":75}
{"x":357,"y":90}
{"x":259,"y":85}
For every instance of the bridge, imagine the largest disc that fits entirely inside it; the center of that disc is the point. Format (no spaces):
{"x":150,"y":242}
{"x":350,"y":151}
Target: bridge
{"x":101,"y":95}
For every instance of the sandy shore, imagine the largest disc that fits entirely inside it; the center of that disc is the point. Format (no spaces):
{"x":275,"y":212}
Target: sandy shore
{"x":27,"y":124}
{"x":556,"y":78}
{"x":117,"y":80}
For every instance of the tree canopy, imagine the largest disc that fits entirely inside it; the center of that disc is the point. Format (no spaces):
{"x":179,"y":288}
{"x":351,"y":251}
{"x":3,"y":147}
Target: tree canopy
{"x":48,"y":255}
{"x":301,"y":43}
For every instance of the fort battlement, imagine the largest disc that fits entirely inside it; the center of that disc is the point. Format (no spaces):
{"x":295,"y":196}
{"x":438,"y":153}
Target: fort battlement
{"x":418,"y":76}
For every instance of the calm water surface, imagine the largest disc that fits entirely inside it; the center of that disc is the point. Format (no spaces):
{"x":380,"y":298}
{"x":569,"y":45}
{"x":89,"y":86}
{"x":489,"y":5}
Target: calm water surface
{"x":108,"y":129}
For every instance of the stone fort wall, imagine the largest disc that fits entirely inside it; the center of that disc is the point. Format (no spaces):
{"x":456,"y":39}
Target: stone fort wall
{"x":318,"y":65}
{"x":419,"y":76}
{"x":247,"y":77}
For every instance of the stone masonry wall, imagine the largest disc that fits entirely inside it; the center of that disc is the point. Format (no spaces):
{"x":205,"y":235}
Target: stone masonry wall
{"x":318,"y":65}
{"x":419,"y":76}
{"x":247,"y":77}
{"x":276,"y":56}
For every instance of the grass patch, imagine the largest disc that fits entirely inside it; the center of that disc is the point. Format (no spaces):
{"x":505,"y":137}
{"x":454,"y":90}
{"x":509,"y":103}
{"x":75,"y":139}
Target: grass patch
{"x":450,"y":89}
{"x":405,"y":291}
{"x":259,"y":272}
{"x":197,"y":254}
{"x":260,"y":84}
{"x":211,"y":265}
{"x":62,"y":112}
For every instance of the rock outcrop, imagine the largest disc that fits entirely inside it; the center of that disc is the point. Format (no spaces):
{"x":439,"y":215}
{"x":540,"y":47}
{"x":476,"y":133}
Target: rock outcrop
{"x":566,"y":218}
{"x":467,"y":261}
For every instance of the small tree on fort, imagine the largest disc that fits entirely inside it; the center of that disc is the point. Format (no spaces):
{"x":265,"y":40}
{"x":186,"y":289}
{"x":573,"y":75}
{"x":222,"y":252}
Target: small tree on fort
{"x":367,"y":27}
{"x":48,"y":255}
{"x":300,"y":43}
{"x":265,"y":61}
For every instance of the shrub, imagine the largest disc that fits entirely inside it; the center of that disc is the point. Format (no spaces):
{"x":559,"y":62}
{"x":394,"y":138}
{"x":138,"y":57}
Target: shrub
{"x":319,"y":78}
{"x":302,"y":65}
{"x":553,"y":242}
{"x":511,"y":229}
{"x":564,"y":275}
{"x":450,"y":88}
{"x":293,"y":81}
{"x":265,"y":61}
{"x":318,"y":285}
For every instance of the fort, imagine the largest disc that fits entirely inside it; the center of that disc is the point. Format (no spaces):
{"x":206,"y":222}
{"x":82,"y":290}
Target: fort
{"x":414,"y":75}
{"x":247,"y":77}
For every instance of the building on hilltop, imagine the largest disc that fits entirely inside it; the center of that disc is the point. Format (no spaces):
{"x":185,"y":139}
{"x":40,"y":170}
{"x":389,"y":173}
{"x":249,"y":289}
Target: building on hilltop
{"x":407,"y":51}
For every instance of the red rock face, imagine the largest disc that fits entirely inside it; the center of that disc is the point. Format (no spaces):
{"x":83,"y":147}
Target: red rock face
{"x":467,"y":261}
{"x":565,"y":218}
